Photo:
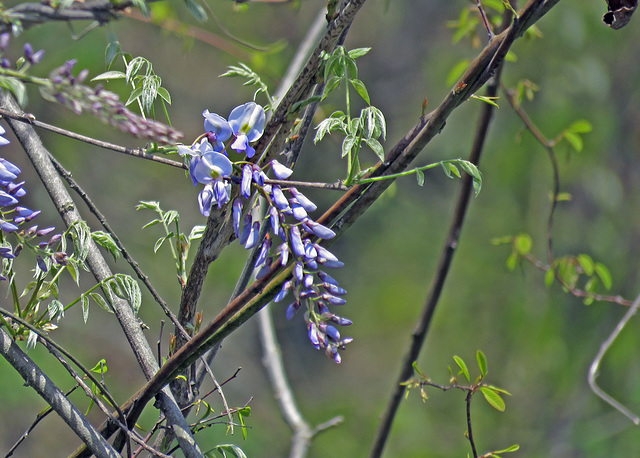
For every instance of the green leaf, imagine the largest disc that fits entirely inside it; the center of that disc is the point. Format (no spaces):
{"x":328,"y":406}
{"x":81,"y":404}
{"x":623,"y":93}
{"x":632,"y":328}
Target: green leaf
{"x":493,"y":398}
{"x":512,"y":261}
{"x":360,"y":89}
{"x":358,"y":52}
{"x":197,"y":10}
{"x":513,"y":448}
{"x":16,"y":87}
{"x":101,"y":301}
{"x":523,"y":244}
{"x":56,"y":310}
{"x":100,"y":367}
{"x":348,"y":144}
{"x":603,"y":273}
{"x":463,"y":367}
{"x":450,"y":169}
{"x":136,"y":93}
{"x":134,"y":66}
{"x":196,"y":232}
{"x":331,"y":84}
{"x":549,"y":277}
{"x":499,"y":390}
{"x":582,"y":126}
{"x":111,"y":75}
{"x":162,"y":92}
{"x":485,"y":99}
{"x":482,"y":363}
{"x":85,"y":308}
{"x":586,"y":263}
{"x":420,"y":177}
{"x":575,"y":140}
{"x":376,"y":147}
{"x":225,"y":450}
{"x":106,"y":241}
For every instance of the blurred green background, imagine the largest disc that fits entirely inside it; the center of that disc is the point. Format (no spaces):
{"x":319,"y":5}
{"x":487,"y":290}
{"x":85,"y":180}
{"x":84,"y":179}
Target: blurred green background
{"x":539,"y":341}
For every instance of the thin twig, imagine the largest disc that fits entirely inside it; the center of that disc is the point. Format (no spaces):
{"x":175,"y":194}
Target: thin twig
{"x":136,"y":152}
{"x":595,"y":365}
{"x":469,"y":431}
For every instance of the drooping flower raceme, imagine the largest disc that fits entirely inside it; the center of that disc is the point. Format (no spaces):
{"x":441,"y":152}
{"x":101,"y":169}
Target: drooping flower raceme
{"x":287,"y":217}
{"x":13,"y":216}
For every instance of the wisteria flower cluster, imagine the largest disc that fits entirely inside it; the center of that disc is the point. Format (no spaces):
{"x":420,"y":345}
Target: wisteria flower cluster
{"x":70,"y":91}
{"x":14,"y":216}
{"x":287,"y":218}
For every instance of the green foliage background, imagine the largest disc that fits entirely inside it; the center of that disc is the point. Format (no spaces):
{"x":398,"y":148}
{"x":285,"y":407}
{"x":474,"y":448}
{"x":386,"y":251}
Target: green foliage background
{"x":539,"y":341}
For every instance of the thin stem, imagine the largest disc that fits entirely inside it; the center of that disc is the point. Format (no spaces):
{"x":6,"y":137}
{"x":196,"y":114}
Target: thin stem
{"x":469,"y":431}
{"x":594,"y":369}
{"x":138,"y":152}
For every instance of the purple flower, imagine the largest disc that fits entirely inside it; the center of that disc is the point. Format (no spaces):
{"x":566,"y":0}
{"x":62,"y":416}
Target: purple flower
{"x":7,"y":199}
{"x":245,"y":185}
{"x":217,"y":128}
{"x":299,"y":212}
{"x":264,"y":252}
{"x":280,"y":171}
{"x":237,"y":213}
{"x":318,"y":229}
{"x":303,"y":200}
{"x":211,"y":167}
{"x":246,"y":228}
{"x":205,"y":200}
{"x":8,"y":227}
{"x":279,"y":200}
{"x":247,"y":123}
{"x":252,"y":239}
{"x":296,"y":242}
{"x":284,"y":254}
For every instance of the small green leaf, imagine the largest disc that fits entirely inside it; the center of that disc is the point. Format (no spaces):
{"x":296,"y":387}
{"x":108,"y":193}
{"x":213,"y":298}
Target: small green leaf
{"x":111,"y":75}
{"x":106,"y":241}
{"x":360,"y":89}
{"x":420,"y":177}
{"x":85,"y":308}
{"x":136,"y":93}
{"x":549,"y":277}
{"x":482,"y":363}
{"x":358,"y":52}
{"x":523,"y":244}
{"x":575,"y":140}
{"x":197,"y":10}
{"x":493,"y":398}
{"x":603,"y":273}
{"x":162,"y":92}
{"x":582,"y":126}
{"x":586,"y":263}
{"x":376,"y":147}
{"x":463,"y":367}
{"x":513,"y":448}
{"x":100,"y":367}
{"x":16,"y":87}
{"x":225,"y":450}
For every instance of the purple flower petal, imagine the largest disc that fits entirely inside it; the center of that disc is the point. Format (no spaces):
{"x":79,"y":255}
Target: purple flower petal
{"x":296,"y":242}
{"x":281,"y":171}
{"x":303,"y":200}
